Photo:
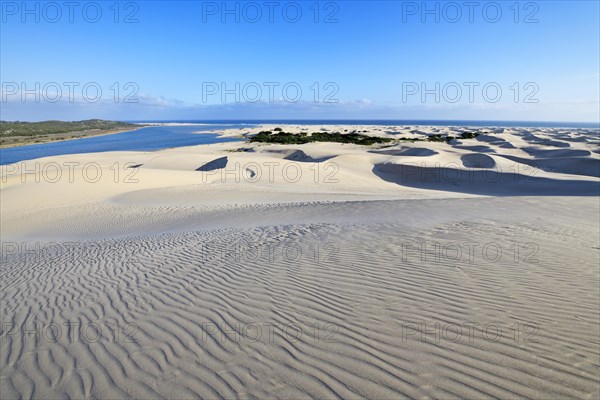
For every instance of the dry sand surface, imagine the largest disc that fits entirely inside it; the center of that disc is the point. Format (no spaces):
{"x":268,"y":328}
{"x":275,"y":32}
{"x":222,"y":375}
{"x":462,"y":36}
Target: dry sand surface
{"x":467,"y":269}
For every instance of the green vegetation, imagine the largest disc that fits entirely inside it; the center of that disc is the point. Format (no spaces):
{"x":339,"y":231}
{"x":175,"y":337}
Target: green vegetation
{"x":436,"y":138}
{"x":281,"y":137}
{"x":440,"y":138}
{"x":301,"y":138}
{"x":57,"y":127}
{"x":469,"y":135}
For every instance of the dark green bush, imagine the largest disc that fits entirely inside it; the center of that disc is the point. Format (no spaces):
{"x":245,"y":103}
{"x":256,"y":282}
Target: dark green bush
{"x":336,"y":137}
{"x":469,"y":135}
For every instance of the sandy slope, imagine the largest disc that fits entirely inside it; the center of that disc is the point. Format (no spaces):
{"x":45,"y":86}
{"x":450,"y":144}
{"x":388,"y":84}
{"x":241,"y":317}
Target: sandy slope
{"x":422,"y":270}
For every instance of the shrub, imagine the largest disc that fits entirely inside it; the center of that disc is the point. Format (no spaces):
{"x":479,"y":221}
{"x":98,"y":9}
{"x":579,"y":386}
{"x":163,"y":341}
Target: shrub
{"x":469,"y":135}
{"x":335,"y":137}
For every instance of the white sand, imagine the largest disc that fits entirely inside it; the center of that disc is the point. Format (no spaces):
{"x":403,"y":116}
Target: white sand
{"x":467,"y":269}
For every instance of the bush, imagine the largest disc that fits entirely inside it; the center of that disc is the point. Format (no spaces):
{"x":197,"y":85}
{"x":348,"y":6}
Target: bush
{"x":335,"y":137}
{"x":281,"y":137}
{"x":436,"y":138}
{"x":469,"y":135}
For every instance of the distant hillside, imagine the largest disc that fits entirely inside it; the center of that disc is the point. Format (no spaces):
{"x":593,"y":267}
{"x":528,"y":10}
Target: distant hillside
{"x":56,"y":127}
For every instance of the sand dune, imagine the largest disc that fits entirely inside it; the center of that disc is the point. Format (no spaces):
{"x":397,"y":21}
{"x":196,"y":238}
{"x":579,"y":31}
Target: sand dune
{"x":466,"y":269}
{"x":482,"y":181}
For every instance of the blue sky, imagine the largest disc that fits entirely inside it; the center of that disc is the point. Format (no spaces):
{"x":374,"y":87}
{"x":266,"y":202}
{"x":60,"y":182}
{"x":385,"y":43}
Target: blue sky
{"x":536,"y":60}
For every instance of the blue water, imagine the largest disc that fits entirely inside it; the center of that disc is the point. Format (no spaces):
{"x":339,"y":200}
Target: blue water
{"x":144,"y":139}
{"x":161,"y":137}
